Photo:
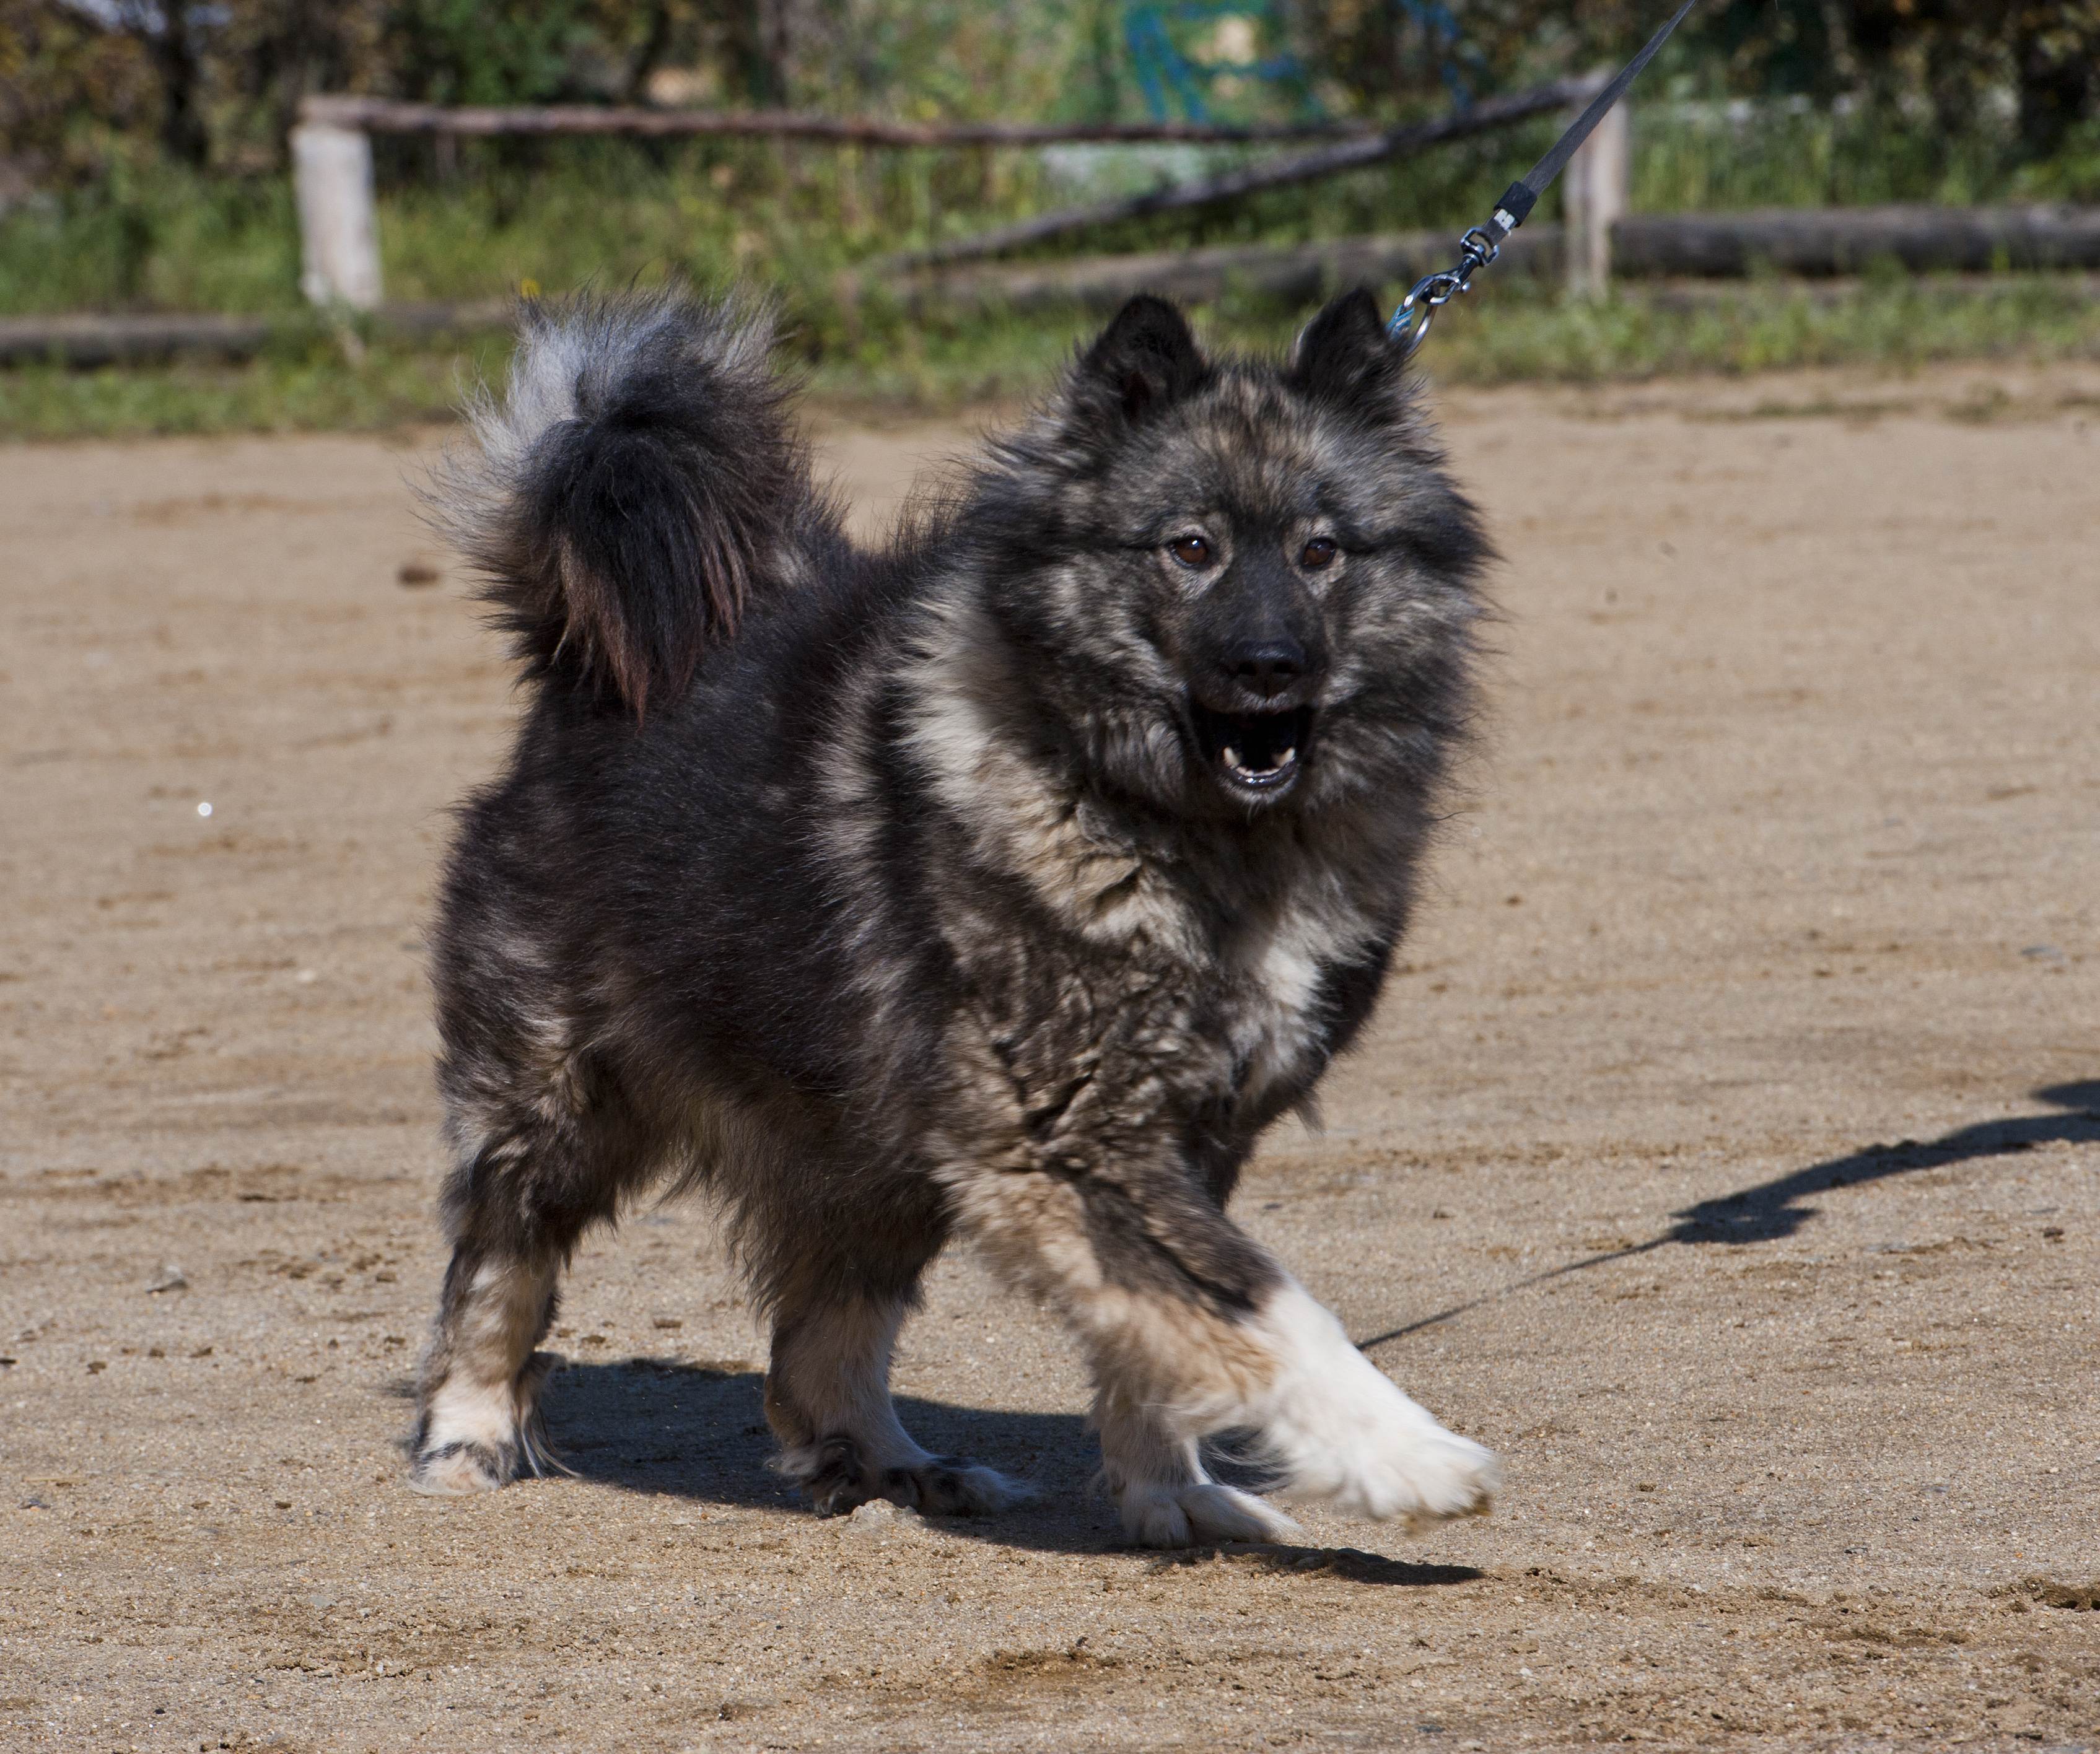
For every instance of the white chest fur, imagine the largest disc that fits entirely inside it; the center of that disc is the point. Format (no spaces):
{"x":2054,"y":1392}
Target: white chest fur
{"x":1277,"y":1020}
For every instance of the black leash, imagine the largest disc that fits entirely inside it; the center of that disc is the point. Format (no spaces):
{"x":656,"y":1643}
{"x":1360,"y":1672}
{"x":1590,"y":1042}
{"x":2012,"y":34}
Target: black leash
{"x":1481,"y":243}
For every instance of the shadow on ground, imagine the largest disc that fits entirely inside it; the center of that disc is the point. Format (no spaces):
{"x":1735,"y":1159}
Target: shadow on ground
{"x":662,"y":1425}
{"x":698,"y":1431}
{"x":1774,"y":1208}
{"x":1777,"y":1208}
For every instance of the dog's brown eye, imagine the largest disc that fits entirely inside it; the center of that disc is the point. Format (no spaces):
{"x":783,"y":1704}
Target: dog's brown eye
{"x":1320,"y":552}
{"x":1192,"y":550}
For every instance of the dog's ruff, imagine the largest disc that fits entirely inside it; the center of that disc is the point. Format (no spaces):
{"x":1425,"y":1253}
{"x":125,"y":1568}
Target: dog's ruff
{"x":1012,"y":880}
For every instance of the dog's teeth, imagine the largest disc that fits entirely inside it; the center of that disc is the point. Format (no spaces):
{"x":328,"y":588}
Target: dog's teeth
{"x":1232,"y":759}
{"x":1287,"y":757}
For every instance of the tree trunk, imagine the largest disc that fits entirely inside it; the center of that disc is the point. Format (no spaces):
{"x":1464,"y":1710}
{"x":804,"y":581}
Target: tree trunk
{"x":654,"y":42}
{"x":183,"y":134}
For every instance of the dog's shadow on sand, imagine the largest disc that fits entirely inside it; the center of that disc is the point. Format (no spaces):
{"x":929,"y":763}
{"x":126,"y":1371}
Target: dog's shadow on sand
{"x":677,"y":1429}
{"x":698,"y":1430}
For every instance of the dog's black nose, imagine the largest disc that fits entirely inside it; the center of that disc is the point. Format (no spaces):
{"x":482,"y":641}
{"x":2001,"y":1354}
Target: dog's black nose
{"x":1266,"y":666}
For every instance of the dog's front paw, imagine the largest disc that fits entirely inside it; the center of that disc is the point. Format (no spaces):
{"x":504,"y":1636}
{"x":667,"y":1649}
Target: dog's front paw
{"x":1197,"y":1513}
{"x":1338,"y":1430}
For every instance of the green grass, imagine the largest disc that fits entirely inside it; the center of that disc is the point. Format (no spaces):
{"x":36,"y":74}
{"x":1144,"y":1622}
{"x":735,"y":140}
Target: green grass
{"x":1516,"y":331}
{"x":164,"y":242}
{"x":1522,"y":330}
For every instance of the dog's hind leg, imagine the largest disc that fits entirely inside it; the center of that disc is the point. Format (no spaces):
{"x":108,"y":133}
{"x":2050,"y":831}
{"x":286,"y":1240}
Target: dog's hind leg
{"x":1156,"y":1476}
{"x":827,"y":1400}
{"x":532,"y":1182}
{"x":839,"y":1292}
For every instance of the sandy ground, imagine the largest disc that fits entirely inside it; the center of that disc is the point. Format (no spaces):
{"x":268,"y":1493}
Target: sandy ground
{"x":1726,"y":1155}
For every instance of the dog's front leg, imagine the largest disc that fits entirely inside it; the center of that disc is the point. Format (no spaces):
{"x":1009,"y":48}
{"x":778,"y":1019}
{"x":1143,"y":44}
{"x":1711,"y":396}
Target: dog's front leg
{"x":1335,"y":1427}
{"x":1191,"y":1329}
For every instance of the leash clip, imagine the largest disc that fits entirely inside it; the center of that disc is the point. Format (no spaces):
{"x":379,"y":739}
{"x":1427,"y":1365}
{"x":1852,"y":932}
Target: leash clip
{"x":1410,"y":327}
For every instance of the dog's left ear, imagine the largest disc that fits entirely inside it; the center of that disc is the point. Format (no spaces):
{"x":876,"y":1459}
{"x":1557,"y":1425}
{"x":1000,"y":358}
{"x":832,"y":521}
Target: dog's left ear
{"x":1144,"y":358}
{"x":1344,"y":355}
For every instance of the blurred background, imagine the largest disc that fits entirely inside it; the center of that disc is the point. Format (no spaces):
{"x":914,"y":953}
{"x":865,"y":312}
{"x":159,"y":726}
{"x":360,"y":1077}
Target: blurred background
{"x":146,"y":171}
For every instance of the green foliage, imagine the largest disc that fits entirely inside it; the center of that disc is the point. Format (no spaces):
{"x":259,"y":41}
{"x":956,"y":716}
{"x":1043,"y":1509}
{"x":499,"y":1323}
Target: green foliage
{"x":1946,"y":103}
{"x":1892,"y":321}
{"x":488,"y":51}
{"x":153,"y":238}
{"x":84,"y":86}
{"x":1690,"y":159}
{"x":2071,"y":174}
{"x":608,"y":211}
{"x":2027,"y":70}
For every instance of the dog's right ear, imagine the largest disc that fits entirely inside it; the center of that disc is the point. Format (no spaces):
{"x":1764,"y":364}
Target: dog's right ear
{"x":1345,"y":356}
{"x":1144,"y":360}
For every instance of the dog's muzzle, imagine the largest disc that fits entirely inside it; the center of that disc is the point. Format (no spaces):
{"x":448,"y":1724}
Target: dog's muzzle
{"x":1253,"y":753}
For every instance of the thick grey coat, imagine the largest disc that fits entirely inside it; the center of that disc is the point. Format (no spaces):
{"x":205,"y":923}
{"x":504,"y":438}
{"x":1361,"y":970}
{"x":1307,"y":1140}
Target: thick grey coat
{"x":1010,"y":879}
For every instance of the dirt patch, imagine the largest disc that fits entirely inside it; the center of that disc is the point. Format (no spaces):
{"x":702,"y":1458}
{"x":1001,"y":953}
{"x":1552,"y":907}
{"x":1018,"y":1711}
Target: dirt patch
{"x":2082,"y":1598}
{"x":1726,"y":1154}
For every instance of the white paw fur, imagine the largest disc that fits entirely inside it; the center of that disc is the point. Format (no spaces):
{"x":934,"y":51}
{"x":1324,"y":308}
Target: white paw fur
{"x":1334,"y":1427}
{"x":476,"y":1437}
{"x":455,"y":1473}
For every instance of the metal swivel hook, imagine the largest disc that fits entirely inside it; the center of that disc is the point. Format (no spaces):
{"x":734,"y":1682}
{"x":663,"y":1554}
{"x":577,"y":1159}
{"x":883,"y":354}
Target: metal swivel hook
{"x":1410,"y":323}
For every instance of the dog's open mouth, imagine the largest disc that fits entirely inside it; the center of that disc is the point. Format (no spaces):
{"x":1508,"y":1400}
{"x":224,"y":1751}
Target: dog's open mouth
{"x":1254,"y":751}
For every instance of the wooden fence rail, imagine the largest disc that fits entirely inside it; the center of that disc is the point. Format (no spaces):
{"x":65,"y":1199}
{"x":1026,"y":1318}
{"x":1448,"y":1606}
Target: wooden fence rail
{"x":1825,"y":240}
{"x":339,"y":238}
{"x":386,"y":116}
{"x":1825,"y":249}
{"x":1483,"y":117}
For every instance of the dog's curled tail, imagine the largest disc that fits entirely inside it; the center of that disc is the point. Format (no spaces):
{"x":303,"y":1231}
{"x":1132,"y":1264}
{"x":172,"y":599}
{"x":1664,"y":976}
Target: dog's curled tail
{"x":623,"y":495}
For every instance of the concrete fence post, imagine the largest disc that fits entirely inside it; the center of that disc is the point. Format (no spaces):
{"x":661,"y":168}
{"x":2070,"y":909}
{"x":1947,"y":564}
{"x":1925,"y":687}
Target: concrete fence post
{"x":1597,"y":192}
{"x":338,"y":230}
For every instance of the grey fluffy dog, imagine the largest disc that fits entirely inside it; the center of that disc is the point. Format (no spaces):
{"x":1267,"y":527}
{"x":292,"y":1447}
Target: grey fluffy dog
{"x":1009,"y":880}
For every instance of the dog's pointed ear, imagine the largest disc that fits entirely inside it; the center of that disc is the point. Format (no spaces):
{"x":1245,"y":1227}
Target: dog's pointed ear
{"x":1144,"y":359}
{"x":1345,"y":356}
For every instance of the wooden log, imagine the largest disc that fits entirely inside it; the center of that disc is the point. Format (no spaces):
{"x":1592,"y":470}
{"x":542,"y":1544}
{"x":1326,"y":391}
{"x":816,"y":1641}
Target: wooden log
{"x":386,"y":116}
{"x":87,"y":340}
{"x":1847,"y":239}
{"x":1651,"y":247}
{"x":1310,"y":167}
